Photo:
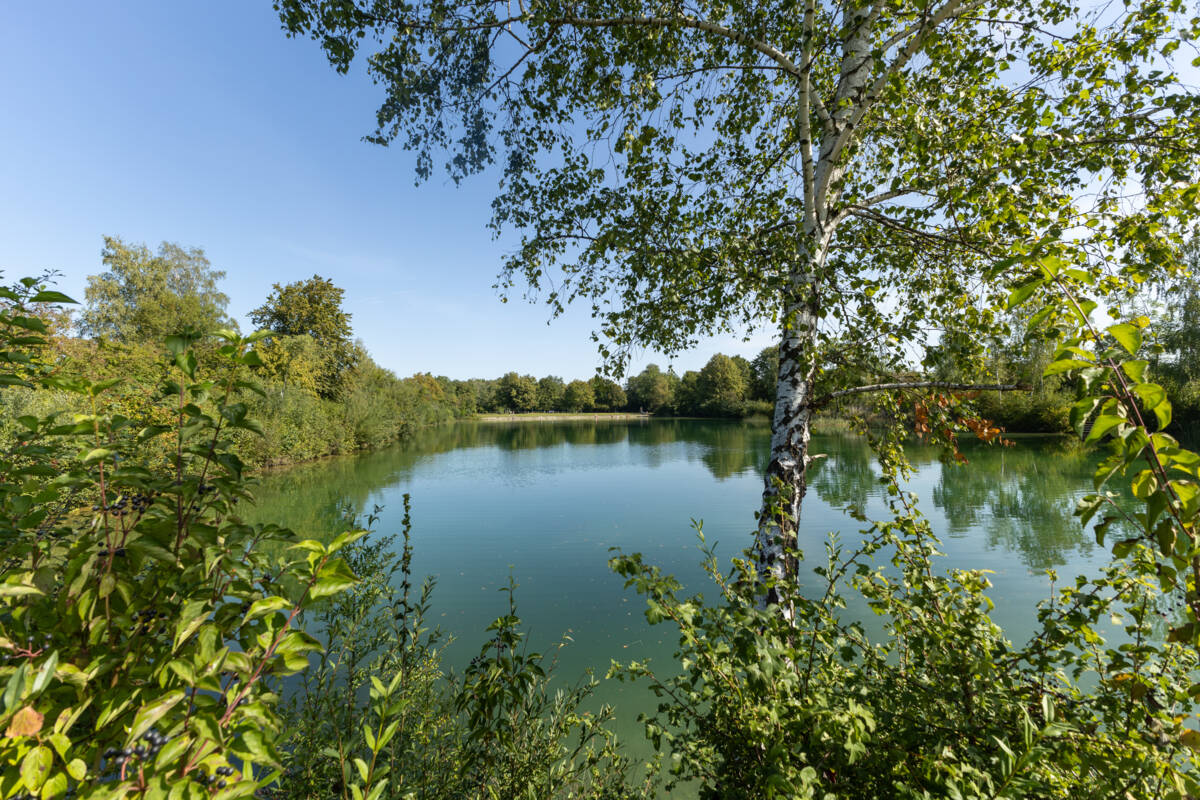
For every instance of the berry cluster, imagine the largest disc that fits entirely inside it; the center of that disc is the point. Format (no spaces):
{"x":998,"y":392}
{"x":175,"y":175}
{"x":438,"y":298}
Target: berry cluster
{"x":30,"y":650}
{"x":216,"y":780}
{"x":146,"y":621}
{"x":147,"y":748}
{"x":125,"y":504}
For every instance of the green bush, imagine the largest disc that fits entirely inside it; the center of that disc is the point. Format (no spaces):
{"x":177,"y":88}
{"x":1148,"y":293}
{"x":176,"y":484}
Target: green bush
{"x":930,"y":699}
{"x":140,"y":636}
{"x":377,"y":716}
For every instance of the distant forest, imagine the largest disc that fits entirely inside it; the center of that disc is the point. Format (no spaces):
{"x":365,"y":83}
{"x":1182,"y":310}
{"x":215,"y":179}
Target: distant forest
{"x":323,"y":394}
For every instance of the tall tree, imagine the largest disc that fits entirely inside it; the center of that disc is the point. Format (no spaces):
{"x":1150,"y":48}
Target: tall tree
{"x":550,"y":390}
{"x":579,"y":396}
{"x":609,"y":396}
{"x":650,"y":390}
{"x":517,"y":393}
{"x":146,"y":296}
{"x":313,"y":308}
{"x":722,"y":386}
{"x":764,"y":370}
{"x":860,"y":170}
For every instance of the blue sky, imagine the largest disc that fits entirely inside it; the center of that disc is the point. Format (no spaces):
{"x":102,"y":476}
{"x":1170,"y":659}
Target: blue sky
{"x":198,"y":122}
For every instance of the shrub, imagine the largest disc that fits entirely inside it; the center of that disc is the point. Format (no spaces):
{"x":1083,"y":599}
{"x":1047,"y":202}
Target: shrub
{"x":936,"y":703}
{"x":140,"y":637}
{"x":378,"y":717}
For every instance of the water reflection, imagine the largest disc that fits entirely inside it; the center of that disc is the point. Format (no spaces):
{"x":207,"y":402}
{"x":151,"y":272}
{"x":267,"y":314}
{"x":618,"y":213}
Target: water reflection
{"x":1017,"y":499}
{"x":1021,"y":499}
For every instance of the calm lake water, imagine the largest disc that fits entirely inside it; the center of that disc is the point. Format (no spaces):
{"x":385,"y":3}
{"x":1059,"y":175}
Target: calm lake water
{"x":545,"y":501}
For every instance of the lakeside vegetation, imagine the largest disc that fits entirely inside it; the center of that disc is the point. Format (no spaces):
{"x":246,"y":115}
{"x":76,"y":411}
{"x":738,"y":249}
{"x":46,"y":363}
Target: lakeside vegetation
{"x":323,"y":394}
{"x":923,"y":200}
{"x":151,"y":636}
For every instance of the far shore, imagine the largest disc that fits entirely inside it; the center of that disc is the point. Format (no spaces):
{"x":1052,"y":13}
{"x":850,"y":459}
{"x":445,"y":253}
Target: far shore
{"x":538,"y":416}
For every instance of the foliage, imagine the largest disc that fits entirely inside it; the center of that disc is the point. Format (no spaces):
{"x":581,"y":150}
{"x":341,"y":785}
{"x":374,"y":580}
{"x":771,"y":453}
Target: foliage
{"x":294,"y":362}
{"x":140,"y":636}
{"x":651,"y":389}
{"x":143,"y":297}
{"x":579,"y":396}
{"x":719,"y":159}
{"x":722,"y":384}
{"x":517,"y":392}
{"x":376,"y":717}
{"x":1129,"y":412}
{"x":299,"y":419}
{"x":936,"y":703}
{"x":764,"y":374}
{"x":550,"y":393}
{"x":608,"y":394}
{"x":313,"y":308}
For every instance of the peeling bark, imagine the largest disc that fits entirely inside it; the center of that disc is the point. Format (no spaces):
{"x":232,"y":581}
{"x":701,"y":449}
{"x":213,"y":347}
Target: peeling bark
{"x":785,"y":481}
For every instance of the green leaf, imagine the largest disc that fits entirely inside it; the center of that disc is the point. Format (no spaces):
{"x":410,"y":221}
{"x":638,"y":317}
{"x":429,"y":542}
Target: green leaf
{"x":45,"y":673}
{"x":1023,"y":293}
{"x":35,"y":767}
{"x":99,"y":454}
{"x":151,"y":713}
{"x":1127,"y":336}
{"x":265,"y":606}
{"x":1135,"y":369}
{"x":334,"y":577}
{"x":1103,"y":424}
{"x":1143,"y":484}
{"x":47,"y":296}
{"x":1065,"y":365}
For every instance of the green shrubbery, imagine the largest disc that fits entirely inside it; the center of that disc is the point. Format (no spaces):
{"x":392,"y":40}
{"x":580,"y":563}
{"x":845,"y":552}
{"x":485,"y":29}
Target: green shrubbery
{"x":155,"y":643}
{"x":146,"y":641}
{"x":377,"y":709}
{"x":140,"y":637}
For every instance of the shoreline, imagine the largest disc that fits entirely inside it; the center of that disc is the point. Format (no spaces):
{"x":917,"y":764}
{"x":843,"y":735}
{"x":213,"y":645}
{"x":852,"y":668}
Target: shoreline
{"x":542,"y":416}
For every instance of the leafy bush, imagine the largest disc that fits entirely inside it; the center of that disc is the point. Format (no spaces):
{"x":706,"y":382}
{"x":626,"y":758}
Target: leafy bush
{"x":140,"y":636}
{"x":377,"y":717}
{"x":929,"y":700}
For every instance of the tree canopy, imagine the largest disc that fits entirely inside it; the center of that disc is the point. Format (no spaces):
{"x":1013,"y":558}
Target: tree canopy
{"x":313,"y":308}
{"x":145,"y":296}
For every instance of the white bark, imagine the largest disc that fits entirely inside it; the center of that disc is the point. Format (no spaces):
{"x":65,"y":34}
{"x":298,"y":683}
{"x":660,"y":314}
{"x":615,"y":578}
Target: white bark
{"x":785,"y":481}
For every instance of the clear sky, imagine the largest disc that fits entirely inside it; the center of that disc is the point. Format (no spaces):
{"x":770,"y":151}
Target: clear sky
{"x":199,"y":122}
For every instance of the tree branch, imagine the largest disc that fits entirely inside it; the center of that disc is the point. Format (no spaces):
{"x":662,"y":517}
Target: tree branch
{"x":954,"y":387}
{"x":771,"y":52}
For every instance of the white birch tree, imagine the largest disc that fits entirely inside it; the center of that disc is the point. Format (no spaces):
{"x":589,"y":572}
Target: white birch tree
{"x":856,"y":174}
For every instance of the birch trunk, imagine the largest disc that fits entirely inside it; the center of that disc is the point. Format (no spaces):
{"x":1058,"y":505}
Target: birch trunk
{"x":785,"y":481}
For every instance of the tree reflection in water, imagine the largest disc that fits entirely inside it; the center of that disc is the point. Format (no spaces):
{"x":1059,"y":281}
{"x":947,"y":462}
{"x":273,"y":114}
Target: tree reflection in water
{"x":1020,"y":498}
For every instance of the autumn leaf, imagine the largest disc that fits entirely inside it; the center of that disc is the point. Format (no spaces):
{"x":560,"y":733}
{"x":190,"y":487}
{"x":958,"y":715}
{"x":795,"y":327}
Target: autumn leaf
{"x":26,"y":722}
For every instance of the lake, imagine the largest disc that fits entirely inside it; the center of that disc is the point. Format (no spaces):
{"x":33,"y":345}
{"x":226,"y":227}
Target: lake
{"x":545,"y":502}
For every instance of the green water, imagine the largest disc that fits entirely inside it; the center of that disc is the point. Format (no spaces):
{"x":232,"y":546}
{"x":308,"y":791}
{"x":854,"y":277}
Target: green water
{"x":545,"y":501}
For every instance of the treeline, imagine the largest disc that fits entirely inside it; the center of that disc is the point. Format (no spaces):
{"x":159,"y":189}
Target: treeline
{"x":321,"y":392}
{"x":727,"y":386}
{"x":1172,"y":304}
